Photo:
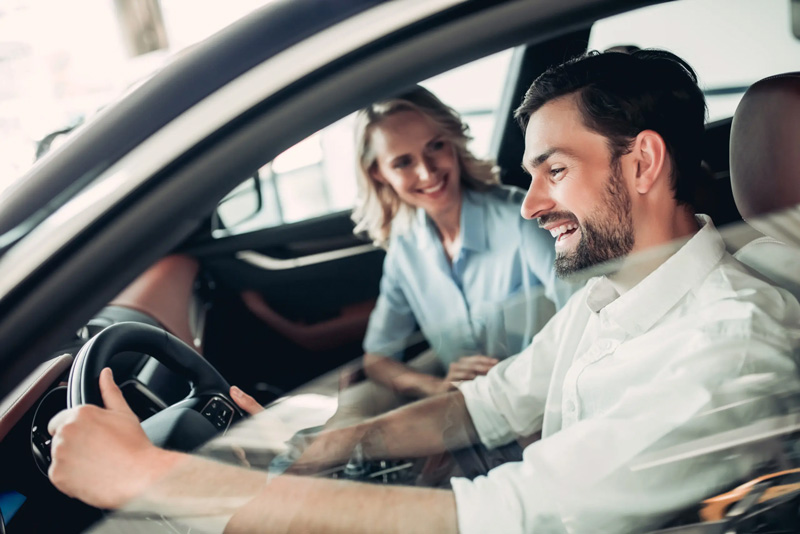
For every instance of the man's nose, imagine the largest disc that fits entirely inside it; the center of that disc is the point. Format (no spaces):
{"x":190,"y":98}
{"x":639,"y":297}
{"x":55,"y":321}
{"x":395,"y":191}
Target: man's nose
{"x":537,"y":200}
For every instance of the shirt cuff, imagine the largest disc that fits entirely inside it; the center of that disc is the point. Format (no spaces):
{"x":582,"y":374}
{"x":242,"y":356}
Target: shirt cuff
{"x":492,"y":428}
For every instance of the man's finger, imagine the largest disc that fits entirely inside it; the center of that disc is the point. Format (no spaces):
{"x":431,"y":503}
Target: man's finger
{"x":112,"y":395}
{"x":57,"y":421}
{"x":245,"y":401}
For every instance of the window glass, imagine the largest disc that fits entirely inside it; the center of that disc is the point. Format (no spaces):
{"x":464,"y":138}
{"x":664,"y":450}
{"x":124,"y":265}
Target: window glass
{"x":730,"y":43}
{"x":317,"y":176}
{"x":60,"y":62}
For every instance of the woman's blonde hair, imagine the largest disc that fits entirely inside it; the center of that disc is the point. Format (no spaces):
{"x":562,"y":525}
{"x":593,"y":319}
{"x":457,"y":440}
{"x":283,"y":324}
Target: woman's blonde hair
{"x":378,"y":207}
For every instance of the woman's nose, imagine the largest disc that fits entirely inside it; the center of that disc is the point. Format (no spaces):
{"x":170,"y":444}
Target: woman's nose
{"x":427,"y":168}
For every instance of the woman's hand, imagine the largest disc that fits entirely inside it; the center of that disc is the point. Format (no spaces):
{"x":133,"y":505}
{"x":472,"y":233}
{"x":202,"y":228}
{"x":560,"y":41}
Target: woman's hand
{"x":245,"y":401}
{"x":467,"y":368}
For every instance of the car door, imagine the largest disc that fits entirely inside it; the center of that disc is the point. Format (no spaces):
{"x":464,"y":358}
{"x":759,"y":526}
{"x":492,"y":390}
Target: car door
{"x":308,"y":279}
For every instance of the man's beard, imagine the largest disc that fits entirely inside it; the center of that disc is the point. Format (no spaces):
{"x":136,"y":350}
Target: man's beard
{"x":606,"y":235}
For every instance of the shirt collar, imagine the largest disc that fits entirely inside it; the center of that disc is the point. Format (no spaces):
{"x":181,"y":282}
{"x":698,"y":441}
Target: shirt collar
{"x":643,"y":305}
{"x":473,"y":224}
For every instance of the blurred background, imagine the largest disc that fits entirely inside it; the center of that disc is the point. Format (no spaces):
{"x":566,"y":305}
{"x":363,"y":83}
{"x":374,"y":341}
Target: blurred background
{"x":63,"y":61}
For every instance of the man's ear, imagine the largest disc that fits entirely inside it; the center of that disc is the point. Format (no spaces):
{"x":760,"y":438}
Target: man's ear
{"x":650,"y":155}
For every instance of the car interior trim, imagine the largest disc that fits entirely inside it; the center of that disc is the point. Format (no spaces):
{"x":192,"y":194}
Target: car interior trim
{"x":269,"y":263}
{"x":16,"y":404}
{"x":165,"y":293}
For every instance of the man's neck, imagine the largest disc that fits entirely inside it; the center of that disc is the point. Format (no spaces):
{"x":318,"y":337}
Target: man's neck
{"x":641,"y":262}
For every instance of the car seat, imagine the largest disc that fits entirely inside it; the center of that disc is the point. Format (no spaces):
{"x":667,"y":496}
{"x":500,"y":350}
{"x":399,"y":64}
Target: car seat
{"x":765,"y":176}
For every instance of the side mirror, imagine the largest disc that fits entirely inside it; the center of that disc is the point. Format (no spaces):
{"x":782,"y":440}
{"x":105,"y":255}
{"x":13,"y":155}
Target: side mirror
{"x":239,"y":206}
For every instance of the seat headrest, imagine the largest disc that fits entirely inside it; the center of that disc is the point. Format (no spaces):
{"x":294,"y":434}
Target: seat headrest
{"x":765,"y":146}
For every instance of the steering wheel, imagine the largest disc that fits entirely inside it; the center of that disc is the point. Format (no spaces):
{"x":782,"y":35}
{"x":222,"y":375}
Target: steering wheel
{"x":205,"y":412}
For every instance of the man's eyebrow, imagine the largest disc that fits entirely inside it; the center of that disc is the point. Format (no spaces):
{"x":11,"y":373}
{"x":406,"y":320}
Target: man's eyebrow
{"x":532,"y":163}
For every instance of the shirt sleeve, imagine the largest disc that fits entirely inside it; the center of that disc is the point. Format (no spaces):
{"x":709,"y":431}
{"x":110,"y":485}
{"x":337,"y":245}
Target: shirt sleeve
{"x":509,"y":401}
{"x":618,"y":472}
{"x":391,"y":321}
{"x":538,"y":256}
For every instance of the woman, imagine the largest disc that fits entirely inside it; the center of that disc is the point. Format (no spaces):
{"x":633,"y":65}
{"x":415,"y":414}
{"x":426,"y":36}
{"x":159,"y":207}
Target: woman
{"x":460,"y":259}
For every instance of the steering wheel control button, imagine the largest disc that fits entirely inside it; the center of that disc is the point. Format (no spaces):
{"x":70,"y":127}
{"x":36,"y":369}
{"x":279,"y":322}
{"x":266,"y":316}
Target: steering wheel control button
{"x":52,"y":403}
{"x":41,"y":443}
{"x":219,"y":413}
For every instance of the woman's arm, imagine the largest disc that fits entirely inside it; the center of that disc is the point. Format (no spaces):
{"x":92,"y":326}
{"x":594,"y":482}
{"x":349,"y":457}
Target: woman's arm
{"x":401,"y":378}
{"x":347,"y":327}
{"x":408,"y":381}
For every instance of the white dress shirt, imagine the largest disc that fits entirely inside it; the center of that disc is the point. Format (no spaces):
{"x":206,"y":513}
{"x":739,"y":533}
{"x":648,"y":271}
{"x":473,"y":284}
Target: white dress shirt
{"x":698,"y":347}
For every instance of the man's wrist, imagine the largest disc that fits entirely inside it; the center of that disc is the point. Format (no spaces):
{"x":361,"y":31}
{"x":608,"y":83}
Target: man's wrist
{"x":154,"y":465}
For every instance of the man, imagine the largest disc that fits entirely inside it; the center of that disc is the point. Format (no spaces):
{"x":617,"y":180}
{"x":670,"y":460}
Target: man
{"x":665,"y":350}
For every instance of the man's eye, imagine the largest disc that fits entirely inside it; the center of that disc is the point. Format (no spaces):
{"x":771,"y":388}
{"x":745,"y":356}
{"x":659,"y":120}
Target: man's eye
{"x":556,"y":173}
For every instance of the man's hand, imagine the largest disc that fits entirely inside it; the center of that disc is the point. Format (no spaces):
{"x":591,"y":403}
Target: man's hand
{"x":101,"y":455}
{"x":467,"y":368}
{"x":245,"y":401}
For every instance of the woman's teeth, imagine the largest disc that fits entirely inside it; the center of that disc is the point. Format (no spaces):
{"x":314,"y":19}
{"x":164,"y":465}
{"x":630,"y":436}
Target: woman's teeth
{"x":433,"y":189}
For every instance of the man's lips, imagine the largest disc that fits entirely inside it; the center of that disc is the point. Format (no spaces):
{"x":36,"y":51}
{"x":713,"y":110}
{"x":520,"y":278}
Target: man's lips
{"x":560,"y":230}
{"x":559,"y":226}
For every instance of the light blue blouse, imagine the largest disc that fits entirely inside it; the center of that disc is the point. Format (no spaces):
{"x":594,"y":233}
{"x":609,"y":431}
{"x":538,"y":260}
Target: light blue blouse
{"x":500,"y":289}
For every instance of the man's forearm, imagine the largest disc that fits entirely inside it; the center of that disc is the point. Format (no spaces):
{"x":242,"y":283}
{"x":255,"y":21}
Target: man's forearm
{"x":422,"y":428}
{"x":217,"y":496}
{"x":291,"y":504}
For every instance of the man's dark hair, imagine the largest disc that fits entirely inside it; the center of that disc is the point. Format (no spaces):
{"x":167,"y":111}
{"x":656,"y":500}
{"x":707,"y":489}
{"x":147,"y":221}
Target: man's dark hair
{"x":619,"y":95}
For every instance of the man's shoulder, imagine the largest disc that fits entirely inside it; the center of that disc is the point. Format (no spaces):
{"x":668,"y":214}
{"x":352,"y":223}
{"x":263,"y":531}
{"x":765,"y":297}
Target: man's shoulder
{"x":731,"y":275}
{"x":736,"y":293}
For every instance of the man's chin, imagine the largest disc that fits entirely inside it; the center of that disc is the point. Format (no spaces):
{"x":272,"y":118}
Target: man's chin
{"x":566,"y":265}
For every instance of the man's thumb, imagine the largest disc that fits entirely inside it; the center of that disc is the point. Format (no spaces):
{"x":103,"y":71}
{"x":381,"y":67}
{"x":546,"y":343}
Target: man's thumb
{"x":112,"y":395}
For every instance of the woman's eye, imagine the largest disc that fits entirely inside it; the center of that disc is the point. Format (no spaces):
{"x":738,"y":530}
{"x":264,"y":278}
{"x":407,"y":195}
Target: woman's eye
{"x":438,"y":144}
{"x":401,"y":163}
